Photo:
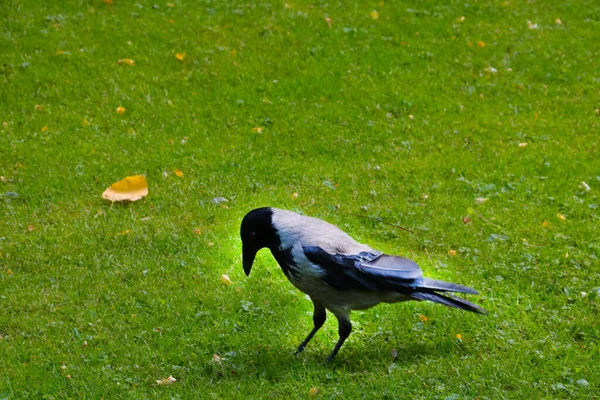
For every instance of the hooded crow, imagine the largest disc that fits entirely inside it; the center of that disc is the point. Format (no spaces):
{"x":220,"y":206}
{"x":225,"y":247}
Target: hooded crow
{"x":338,"y":273}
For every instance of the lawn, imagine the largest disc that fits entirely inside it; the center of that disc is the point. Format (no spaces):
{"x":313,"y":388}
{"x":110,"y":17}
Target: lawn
{"x":473,"y":124}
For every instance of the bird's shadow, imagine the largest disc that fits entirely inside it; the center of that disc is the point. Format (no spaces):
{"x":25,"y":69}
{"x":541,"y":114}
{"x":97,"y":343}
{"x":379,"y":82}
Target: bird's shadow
{"x":353,"y":358}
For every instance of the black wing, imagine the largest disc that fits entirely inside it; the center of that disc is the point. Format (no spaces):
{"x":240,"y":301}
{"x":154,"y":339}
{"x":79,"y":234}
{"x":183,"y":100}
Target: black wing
{"x":366,"y":271}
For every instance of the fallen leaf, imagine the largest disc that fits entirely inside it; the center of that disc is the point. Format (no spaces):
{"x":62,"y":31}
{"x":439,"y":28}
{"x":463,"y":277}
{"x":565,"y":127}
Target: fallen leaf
{"x":452,"y":253}
{"x":328,"y":20}
{"x":461,"y":19}
{"x":180,"y":56}
{"x":466,"y":220}
{"x":107,"y":1}
{"x":546,"y":224}
{"x":179,"y":173}
{"x":585,"y":186}
{"x":86,"y":122}
{"x":9,"y":272}
{"x":125,"y":232}
{"x":39,"y":107}
{"x":210,"y":244}
{"x":225,"y":280}
{"x":313,"y":392}
{"x":531,"y":25}
{"x":481,"y":44}
{"x":423,"y":318}
{"x":258,"y":129}
{"x":558,"y":21}
{"x":30,"y":228}
{"x":491,"y":70}
{"x":197,"y":231}
{"x":458,"y":336}
{"x":217,"y":359}
{"x":44,"y":128}
{"x":481,"y":200}
{"x":132,"y":188}
{"x":294,"y":196}
{"x":561,"y":217}
{"x":286,"y":5}
{"x":168,"y":381}
{"x":121,"y":110}
{"x":522,"y":145}
{"x":85,"y":343}
{"x":127,"y":61}
{"x":374,"y":15}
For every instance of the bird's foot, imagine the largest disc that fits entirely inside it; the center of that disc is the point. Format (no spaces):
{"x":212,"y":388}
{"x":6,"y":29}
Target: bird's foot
{"x":299,"y":350}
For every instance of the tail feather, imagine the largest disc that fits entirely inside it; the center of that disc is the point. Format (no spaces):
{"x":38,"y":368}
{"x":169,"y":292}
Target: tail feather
{"x":448,"y":300}
{"x":445,"y":286}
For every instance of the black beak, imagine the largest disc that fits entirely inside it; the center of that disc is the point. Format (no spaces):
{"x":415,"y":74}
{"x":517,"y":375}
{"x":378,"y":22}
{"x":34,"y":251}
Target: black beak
{"x":248,"y":254}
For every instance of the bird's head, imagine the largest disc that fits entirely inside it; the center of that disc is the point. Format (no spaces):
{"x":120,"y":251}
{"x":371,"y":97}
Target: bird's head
{"x":257,"y":232}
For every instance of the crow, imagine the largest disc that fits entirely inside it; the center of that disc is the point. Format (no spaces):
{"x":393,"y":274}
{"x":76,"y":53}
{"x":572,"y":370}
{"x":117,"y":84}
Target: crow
{"x":338,"y":273}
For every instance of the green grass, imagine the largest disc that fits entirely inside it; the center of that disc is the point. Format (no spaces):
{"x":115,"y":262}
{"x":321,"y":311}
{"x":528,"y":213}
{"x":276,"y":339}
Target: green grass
{"x":394,"y":118}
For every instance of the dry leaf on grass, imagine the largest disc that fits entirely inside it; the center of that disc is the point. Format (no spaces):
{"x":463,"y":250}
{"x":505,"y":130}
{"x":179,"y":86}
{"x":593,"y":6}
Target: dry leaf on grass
{"x":180,"y":56}
{"x":121,"y":110}
{"x":131,"y":188}
{"x":127,"y":61}
{"x":179,"y":173}
{"x":168,"y":381}
{"x":225,"y":280}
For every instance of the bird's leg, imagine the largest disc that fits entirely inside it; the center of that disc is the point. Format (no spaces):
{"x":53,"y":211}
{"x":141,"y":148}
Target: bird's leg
{"x":345,"y":327}
{"x":319,"y":317}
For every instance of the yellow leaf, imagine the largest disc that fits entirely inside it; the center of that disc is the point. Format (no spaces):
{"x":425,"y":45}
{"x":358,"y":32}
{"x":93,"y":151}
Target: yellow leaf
{"x":131,"y":188}
{"x":458,"y":336}
{"x":546,"y":224}
{"x":522,"y":145}
{"x":86,"y":122}
{"x":313,"y":392}
{"x":121,"y":110}
{"x":561,"y":217}
{"x":225,"y":280}
{"x":44,"y":128}
{"x":452,"y":253}
{"x":558,"y":21}
{"x":179,"y":173}
{"x":481,"y":44}
{"x":39,"y":107}
{"x":180,"y":56}
{"x":127,"y":61}
{"x":258,"y":129}
{"x":125,"y":232}
{"x":423,"y":318}
{"x":294,"y":196}
{"x":9,"y":272}
{"x":374,"y":14}
{"x":197,"y":231}
{"x":328,"y":20}
{"x":461,"y":19}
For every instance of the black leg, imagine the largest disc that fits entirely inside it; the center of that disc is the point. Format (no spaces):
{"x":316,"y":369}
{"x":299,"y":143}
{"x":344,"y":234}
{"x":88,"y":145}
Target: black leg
{"x":345,"y":327}
{"x":319,"y":317}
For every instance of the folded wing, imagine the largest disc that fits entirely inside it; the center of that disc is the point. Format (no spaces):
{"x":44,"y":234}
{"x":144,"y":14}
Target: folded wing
{"x":375,"y":271}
